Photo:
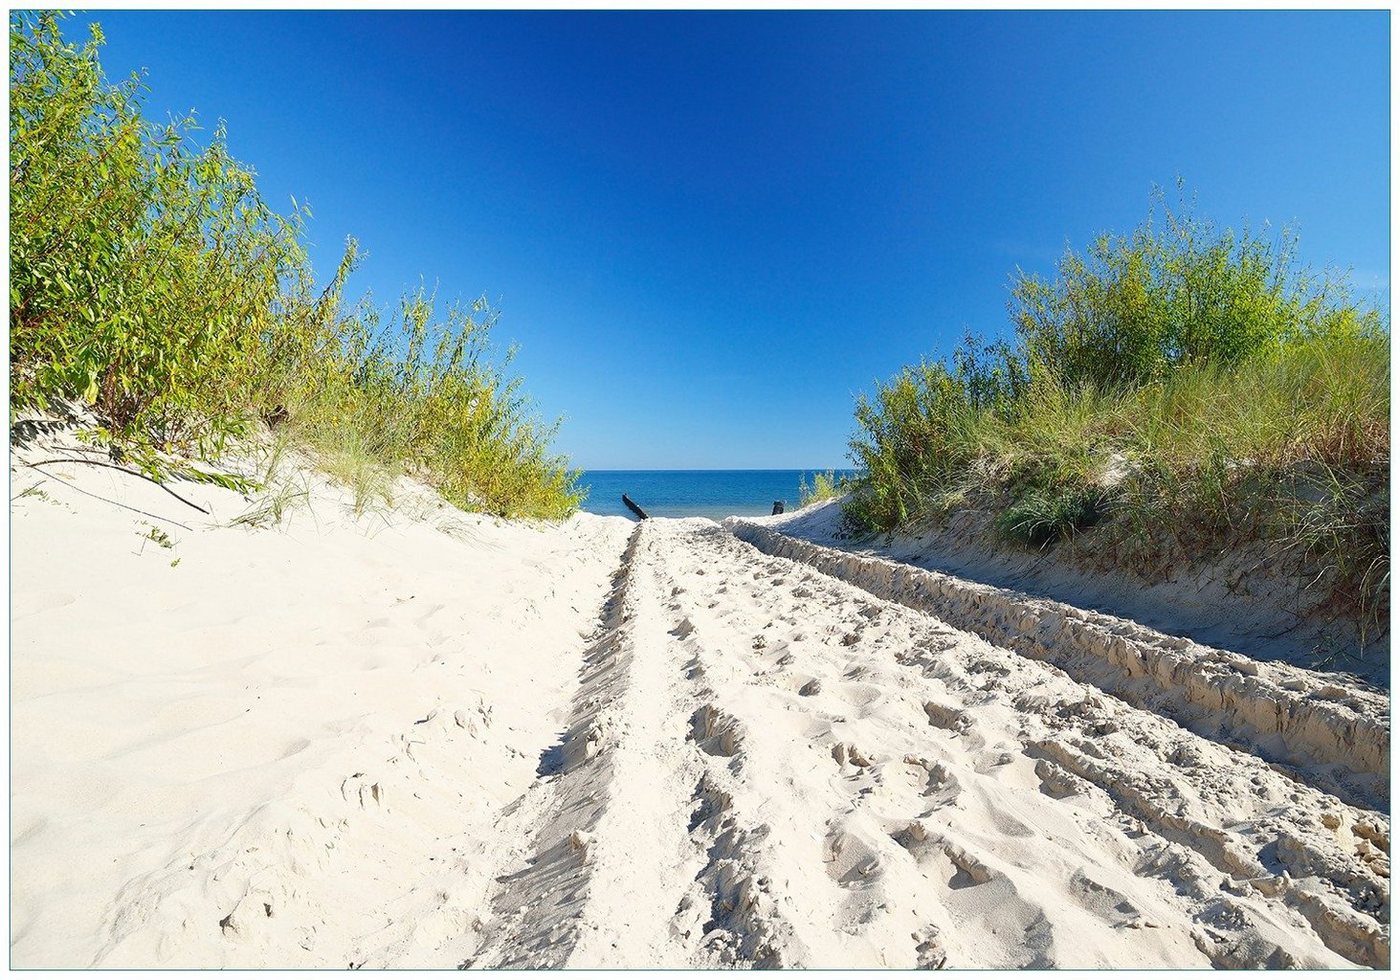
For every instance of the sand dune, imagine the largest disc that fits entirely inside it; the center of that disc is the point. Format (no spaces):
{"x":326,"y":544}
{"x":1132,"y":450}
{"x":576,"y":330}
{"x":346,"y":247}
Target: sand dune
{"x":432,"y":740}
{"x":290,"y":748}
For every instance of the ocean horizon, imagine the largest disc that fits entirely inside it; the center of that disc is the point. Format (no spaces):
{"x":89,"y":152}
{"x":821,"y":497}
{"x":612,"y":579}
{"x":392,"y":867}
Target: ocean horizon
{"x":696,"y":493}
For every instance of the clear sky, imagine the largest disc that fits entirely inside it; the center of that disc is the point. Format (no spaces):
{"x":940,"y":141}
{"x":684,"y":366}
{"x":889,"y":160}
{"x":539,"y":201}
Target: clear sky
{"x":708,"y":231}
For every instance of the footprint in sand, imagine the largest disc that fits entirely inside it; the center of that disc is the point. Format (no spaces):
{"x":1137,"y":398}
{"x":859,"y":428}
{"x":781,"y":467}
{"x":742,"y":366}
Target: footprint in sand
{"x":1059,"y":783}
{"x":845,"y":752}
{"x":981,"y":898}
{"x":936,"y":782}
{"x":955,"y":721}
{"x":929,"y":951}
{"x":943,"y":860}
{"x":715,"y":732}
{"x":850,"y":860}
{"x":993,"y":761}
{"x":683,"y":629}
{"x":1101,"y":900}
{"x":947,"y":717}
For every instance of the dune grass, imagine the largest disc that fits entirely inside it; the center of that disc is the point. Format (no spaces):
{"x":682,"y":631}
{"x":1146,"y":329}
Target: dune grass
{"x":151,"y":282}
{"x":1179,"y":387}
{"x":824,"y":486}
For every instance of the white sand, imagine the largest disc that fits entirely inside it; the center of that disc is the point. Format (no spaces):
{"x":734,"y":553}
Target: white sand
{"x":438,"y":739}
{"x":241,"y":739}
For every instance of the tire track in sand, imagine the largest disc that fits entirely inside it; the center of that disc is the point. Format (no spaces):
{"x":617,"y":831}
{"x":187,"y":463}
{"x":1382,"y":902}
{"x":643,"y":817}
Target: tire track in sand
{"x":630,"y":851}
{"x":934,"y":776}
{"x":1333,"y":736}
{"x":767,"y":766}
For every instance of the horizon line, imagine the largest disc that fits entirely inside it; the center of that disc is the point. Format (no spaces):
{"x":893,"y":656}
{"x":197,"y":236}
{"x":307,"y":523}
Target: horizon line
{"x":712,"y":469}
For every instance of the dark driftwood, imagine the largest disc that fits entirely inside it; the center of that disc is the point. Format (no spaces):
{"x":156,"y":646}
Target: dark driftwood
{"x":633,"y":507}
{"x":117,"y":503}
{"x":120,"y":469}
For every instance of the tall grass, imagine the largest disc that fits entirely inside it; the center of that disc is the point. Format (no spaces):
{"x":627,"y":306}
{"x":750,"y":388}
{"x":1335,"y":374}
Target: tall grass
{"x":824,"y":486}
{"x":150,"y":281}
{"x":1179,"y":385}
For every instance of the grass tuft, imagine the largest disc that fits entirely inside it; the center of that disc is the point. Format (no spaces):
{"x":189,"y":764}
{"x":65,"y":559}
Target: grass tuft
{"x":1041,"y":516}
{"x":825,"y":486}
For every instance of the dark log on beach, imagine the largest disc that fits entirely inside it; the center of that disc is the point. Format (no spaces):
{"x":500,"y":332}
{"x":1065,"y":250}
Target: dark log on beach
{"x":777,"y":506}
{"x":633,"y":507}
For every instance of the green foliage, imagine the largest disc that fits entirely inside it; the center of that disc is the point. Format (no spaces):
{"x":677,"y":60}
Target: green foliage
{"x":1174,"y":292}
{"x":825,"y":486}
{"x":159,"y":537}
{"x":1177,"y":383}
{"x":150,"y":281}
{"x":914,"y":441}
{"x":146,"y":275}
{"x":422,"y":392}
{"x":1042,"y":516}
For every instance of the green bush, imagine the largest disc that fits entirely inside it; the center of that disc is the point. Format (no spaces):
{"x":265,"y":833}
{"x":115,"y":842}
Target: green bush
{"x":1176,"y":291}
{"x":825,"y":486}
{"x":146,"y":276}
{"x":422,"y":393}
{"x":150,"y":281}
{"x":1177,"y":383}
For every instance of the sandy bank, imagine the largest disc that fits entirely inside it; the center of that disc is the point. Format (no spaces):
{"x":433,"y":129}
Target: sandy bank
{"x":1244,"y":601}
{"x":280,"y":746}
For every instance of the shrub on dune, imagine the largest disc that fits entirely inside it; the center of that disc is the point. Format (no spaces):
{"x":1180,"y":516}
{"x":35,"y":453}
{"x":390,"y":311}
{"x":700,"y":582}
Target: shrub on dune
{"x":150,"y":281}
{"x":1181,"y":383}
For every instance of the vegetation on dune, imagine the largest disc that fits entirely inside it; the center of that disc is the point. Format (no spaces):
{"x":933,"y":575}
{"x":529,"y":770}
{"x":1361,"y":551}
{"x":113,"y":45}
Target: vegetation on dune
{"x":150,"y":281}
{"x":1180,"y":385}
{"x":825,"y":486}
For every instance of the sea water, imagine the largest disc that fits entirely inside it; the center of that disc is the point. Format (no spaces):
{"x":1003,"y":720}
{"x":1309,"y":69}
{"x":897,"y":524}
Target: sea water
{"x":694,"y":493}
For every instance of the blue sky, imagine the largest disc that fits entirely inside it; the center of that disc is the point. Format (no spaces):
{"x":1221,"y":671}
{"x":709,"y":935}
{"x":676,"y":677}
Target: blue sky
{"x":708,"y":231}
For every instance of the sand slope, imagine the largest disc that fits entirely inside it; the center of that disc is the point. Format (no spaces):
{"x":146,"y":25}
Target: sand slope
{"x":290,"y":748}
{"x":439,"y":740}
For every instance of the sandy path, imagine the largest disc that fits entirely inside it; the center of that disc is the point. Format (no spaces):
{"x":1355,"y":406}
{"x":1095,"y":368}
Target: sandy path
{"x":435,"y":741}
{"x":767,"y":766}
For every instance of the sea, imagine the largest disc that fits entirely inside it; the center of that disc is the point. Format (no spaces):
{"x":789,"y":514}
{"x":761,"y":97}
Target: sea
{"x":694,"y":493}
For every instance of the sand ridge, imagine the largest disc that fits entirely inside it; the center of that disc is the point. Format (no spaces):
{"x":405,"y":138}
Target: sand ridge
{"x":1336,"y":734}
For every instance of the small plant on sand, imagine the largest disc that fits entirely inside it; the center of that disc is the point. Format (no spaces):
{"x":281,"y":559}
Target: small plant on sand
{"x":158,"y":537}
{"x":825,"y":486}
